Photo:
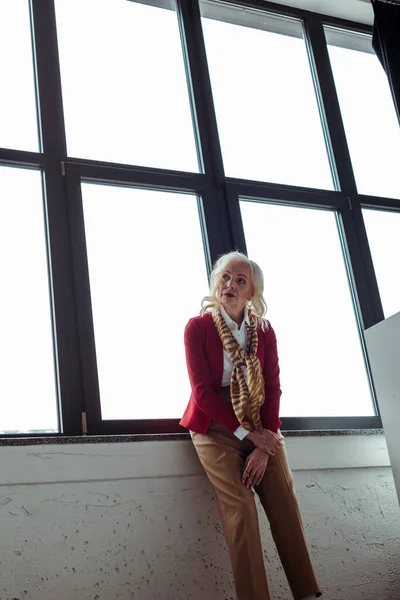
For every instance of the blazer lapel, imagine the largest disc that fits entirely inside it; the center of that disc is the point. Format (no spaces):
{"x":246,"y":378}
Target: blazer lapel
{"x":260,"y":347}
{"x":215,"y":352}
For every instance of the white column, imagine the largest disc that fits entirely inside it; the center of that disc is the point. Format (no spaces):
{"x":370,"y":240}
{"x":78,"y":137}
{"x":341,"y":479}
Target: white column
{"x":383,"y":347}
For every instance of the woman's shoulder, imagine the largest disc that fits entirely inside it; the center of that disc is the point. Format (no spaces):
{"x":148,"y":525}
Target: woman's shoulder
{"x":265,"y":328}
{"x":200,"y":321}
{"x":262,"y":323}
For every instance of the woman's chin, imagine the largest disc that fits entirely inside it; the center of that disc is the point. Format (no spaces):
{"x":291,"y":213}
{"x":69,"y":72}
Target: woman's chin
{"x":229,"y":303}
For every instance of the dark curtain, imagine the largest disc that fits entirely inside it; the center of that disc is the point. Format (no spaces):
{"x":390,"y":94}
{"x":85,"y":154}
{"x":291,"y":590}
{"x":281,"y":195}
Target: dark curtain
{"x":386,"y":43}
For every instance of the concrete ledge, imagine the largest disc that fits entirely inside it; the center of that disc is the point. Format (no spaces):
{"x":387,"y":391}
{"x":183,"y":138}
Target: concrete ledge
{"x":25,"y":465}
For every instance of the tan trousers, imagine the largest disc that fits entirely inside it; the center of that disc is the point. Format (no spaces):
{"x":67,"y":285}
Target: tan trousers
{"x":223,"y":457}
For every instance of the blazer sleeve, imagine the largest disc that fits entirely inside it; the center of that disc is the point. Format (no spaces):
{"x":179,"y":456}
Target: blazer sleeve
{"x":270,"y":409}
{"x":200,"y":376}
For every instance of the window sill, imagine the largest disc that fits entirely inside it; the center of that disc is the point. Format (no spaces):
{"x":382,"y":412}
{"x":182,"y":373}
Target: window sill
{"x":112,"y":439}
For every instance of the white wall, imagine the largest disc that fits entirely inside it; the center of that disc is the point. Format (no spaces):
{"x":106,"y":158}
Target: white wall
{"x":383,"y":348}
{"x":137,"y":520}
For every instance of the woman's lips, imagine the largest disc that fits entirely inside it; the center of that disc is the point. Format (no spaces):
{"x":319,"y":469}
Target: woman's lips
{"x":229,"y":295}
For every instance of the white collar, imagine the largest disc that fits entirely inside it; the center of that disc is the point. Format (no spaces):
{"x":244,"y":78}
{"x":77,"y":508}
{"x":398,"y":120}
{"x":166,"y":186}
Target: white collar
{"x":231,"y":323}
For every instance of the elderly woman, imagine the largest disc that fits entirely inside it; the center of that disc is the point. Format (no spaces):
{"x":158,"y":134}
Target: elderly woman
{"x":233,"y":417}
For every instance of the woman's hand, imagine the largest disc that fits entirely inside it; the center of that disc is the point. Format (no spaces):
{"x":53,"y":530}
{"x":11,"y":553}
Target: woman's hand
{"x":255,"y":468}
{"x":266,"y":440}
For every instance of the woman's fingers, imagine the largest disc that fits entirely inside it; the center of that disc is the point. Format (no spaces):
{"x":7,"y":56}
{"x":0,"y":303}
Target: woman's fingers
{"x":270,"y":449}
{"x":250,"y":474}
{"x":251,"y":480}
{"x":247,"y":471}
{"x":271,"y":435}
{"x":276,"y":442}
{"x":254,"y":468}
{"x":256,"y":477}
{"x":260,"y":478}
{"x":271,"y":442}
{"x":268,"y":441}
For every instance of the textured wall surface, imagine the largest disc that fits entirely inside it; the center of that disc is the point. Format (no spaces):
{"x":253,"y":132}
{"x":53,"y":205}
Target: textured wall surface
{"x":159,"y":537}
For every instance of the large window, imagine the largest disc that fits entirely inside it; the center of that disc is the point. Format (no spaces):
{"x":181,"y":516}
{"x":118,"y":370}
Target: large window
{"x":383,"y":229}
{"x":27,"y":382}
{"x":124,"y":88}
{"x":146,"y":281}
{"x":322,"y":364}
{"x":267,"y":111}
{"x":18,"y":122}
{"x":140,"y":140}
{"x":370,"y":120}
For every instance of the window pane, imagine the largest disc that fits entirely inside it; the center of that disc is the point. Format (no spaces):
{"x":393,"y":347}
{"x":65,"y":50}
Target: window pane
{"x":267,"y":113}
{"x":383,"y":229}
{"x":372,"y":128}
{"x":124,"y":86}
{"x":18,"y":123}
{"x":310,"y":308}
{"x":27,"y":382}
{"x":146,"y":282}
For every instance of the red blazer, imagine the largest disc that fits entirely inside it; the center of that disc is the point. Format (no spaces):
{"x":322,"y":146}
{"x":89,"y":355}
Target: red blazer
{"x":205,"y":363}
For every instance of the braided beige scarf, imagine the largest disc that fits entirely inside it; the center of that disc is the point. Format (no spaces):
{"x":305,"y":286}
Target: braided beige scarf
{"x":246,"y":398}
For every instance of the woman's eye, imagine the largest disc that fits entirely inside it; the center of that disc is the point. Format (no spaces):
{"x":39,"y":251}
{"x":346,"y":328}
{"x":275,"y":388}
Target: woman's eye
{"x":225,"y":277}
{"x":242,"y":281}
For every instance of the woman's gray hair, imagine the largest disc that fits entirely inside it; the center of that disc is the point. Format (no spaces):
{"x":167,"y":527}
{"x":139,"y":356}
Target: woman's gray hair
{"x":256,"y":305}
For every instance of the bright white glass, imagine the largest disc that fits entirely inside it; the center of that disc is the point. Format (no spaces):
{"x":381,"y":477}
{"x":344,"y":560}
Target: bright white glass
{"x":369,"y":117}
{"x":147,"y":278}
{"x":267,"y":113}
{"x":18,"y":123}
{"x":124,"y":86}
{"x":310,"y":308}
{"x":383,"y":230}
{"x":27,"y":382}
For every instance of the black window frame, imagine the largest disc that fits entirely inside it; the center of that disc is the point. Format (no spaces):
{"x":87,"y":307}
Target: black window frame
{"x":218,"y":201}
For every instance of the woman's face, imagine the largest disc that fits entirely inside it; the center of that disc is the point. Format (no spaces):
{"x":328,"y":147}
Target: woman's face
{"x":235,"y":286}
